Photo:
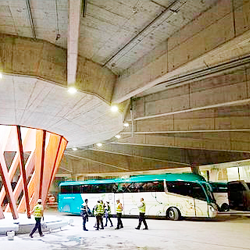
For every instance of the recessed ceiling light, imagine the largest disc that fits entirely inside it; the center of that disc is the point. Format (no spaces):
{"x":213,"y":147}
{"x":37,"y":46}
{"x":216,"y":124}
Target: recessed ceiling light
{"x":114,"y":108}
{"x":118,"y":136}
{"x":72,"y":90}
{"x":98,"y":144}
{"x":126,"y":124}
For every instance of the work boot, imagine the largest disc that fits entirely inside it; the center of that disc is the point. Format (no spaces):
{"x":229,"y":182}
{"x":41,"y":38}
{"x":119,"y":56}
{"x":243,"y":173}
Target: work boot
{"x":31,"y":236}
{"x":137,"y":228}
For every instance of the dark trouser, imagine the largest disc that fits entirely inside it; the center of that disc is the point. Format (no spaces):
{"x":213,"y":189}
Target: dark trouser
{"x":119,"y":220}
{"x":108,"y":218}
{"x":142,"y":219}
{"x":99,"y":221}
{"x":84,"y":220}
{"x":37,"y":226}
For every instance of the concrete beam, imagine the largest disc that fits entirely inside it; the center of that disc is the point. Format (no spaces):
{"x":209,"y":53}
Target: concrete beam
{"x":222,"y":141}
{"x":231,"y":118}
{"x":73,"y":36}
{"x":142,"y":159}
{"x":220,"y":34}
{"x":231,"y":88}
{"x":43,"y":60}
{"x":91,"y":161}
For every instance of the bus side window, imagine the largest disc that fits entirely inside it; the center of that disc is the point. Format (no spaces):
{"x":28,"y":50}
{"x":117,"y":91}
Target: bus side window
{"x":77,"y":189}
{"x":66,"y":189}
{"x":114,"y":188}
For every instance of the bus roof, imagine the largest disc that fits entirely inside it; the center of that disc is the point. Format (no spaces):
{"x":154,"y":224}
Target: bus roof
{"x":141,"y":178}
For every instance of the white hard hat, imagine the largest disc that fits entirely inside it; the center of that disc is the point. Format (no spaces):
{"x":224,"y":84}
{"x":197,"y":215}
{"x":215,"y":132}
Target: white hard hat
{"x":39,"y":201}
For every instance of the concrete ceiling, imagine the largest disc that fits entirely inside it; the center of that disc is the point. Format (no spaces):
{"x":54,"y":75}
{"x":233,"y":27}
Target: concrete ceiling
{"x":135,"y":26}
{"x":82,"y":119}
{"x":184,"y":63}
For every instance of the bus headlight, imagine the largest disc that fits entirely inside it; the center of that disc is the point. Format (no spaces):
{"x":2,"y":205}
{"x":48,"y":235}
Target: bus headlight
{"x":212,"y":210}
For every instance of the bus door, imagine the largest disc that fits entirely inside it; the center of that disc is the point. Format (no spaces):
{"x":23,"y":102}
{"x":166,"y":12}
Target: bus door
{"x":200,"y":199}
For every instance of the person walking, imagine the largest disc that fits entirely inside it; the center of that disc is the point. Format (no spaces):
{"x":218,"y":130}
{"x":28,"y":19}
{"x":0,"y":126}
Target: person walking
{"x":85,"y":212}
{"x":38,"y":214}
{"x":108,"y":214}
{"x":142,"y":210}
{"x":119,"y":214}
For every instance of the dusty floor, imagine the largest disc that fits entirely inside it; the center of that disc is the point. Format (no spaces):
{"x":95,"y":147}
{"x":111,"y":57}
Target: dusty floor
{"x":224,"y":233}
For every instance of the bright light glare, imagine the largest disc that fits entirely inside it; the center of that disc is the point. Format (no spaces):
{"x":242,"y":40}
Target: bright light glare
{"x":72,"y":90}
{"x":114,"y":108}
{"x":74,"y":149}
{"x":126,"y":124}
{"x":1,"y":75}
{"x":118,"y":136}
{"x":98,"y":144}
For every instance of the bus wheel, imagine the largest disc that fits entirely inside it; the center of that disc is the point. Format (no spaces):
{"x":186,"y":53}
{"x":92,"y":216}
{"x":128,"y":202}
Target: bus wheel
{"x":224,"y":207}
{"x":173,"y":213}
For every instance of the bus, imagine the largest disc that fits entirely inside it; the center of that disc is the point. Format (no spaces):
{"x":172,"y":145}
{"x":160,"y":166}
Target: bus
{"x":220,"y":192}
{"x":239,"y":195}
{"x":170,"y":195}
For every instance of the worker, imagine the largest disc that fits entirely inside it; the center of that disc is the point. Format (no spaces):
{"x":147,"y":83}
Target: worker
{"x":119,"y":214}
{"x":38,"y":214}
{"x":102,"y":213}
{"x":108,"y":214}
{"x":98,"y":212}
{"x":142,"y":210}
{"x":85,"y":212}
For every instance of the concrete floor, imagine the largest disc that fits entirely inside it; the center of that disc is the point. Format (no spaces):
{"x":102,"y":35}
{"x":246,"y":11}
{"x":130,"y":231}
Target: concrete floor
{"x":224,"y":233}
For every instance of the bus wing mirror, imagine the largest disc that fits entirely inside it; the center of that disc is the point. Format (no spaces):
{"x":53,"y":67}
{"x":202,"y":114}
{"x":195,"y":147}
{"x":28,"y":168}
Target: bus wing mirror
{"x":165,"y":186}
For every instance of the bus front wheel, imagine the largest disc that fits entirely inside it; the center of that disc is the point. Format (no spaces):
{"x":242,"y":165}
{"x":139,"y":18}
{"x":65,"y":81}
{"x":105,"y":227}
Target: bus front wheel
{"x":173,"y":213}
{"x":224,"y":207}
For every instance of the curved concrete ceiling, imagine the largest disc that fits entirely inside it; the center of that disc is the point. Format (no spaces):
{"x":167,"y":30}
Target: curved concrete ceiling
{"x":82,"y":119}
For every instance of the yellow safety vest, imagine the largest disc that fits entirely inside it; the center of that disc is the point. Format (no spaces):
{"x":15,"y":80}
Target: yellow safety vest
{"x":98,"y":208}
{"x":101,"y":208}
{"x":119,"y":208}
{"x":142,"y":209}
{"x":38,"y":211}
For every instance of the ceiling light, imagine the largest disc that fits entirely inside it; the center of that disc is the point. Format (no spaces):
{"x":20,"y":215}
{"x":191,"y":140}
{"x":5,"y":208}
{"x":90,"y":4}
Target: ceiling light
{"x":74,"y":149}
{"x":126,"y":124}
{"x":1,"y":75}
{"x":98,"y":144}
{"x":72,"y":90}
{"x":114,"y":108}
{"x":118,"y":136}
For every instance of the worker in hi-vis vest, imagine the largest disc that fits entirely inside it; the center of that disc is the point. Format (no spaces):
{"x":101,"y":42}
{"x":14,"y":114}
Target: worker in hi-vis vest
{"x":119,"y":209}
{"x":142,"y":211}
{"x":38,"y":214}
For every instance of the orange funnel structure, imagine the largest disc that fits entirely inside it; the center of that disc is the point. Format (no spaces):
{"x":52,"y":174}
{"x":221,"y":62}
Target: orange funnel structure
{"x":29,"y":159}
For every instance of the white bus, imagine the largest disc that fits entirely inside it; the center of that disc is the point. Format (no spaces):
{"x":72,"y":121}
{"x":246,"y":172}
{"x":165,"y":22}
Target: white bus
{"x":170,"y":195}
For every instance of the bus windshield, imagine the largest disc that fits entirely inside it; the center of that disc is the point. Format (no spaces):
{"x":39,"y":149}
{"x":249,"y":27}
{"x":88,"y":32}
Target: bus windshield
{"x":209,"y":192}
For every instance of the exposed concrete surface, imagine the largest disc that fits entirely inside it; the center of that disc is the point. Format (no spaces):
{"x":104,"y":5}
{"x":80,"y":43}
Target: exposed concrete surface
{"x":224,"y":233}
{"x":82,"y":119}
